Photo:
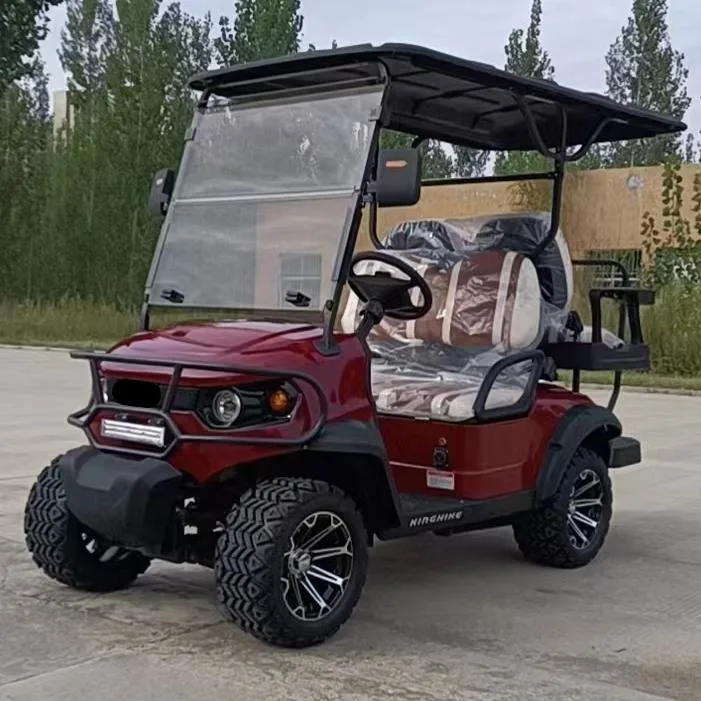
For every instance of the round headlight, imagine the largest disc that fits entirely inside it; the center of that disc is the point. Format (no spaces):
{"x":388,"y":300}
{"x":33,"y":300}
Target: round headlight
{"x":226,"y":407}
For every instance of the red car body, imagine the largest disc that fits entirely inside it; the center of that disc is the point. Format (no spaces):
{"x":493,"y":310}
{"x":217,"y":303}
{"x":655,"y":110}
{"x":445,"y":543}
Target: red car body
{"x":490,"y":460}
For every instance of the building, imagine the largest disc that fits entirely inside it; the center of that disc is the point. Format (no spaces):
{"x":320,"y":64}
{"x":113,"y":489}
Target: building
{"x":64,"y":112}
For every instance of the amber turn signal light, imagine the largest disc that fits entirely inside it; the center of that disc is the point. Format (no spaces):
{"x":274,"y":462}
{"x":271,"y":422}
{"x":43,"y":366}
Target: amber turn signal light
{"x":280,"y":401}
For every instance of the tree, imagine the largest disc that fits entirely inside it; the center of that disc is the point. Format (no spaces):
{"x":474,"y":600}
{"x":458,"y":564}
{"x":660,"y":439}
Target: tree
{"x":23,"y":24}
{"x":644,"y":69}
{"x":690,"y":149}
{"x":524,"y":54}
{"x":24,"y":169}
{"x":470,"y":162}
{"x":127,"y":63}
{"x":437,"y":162}
{"x":262,"y":29}
{"x":25,"y":132}
{"x":526,"y":57}
{"x":86,"y":40}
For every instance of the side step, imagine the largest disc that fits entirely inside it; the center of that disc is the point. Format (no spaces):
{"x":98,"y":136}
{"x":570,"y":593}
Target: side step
{"x":420,"y":514}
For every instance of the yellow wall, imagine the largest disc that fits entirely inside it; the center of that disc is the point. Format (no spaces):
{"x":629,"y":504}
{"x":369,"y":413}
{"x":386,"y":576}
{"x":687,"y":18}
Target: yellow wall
{"x":603,"y":209}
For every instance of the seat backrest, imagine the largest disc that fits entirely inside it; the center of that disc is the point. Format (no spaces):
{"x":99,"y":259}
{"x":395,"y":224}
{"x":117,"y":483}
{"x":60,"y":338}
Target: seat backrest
{"x":524,"y":233}
{"x":482,"y":300}
{"x":521,"y":232}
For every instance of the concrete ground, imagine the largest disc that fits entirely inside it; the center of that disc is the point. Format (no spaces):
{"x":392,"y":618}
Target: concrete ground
{"x":456,"y":618}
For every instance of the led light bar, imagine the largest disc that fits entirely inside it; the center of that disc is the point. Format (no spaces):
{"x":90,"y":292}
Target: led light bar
{"x":136,"y":433}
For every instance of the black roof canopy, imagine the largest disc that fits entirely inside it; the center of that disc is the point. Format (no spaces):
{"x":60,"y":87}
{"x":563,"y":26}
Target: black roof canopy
{"x":438,"y":96}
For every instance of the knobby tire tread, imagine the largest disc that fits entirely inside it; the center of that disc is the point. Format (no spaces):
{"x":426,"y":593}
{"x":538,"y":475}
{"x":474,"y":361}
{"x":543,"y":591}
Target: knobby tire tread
{"x":53,"y":538}
{"x":541,"y":535}
{"x":244,"y":560}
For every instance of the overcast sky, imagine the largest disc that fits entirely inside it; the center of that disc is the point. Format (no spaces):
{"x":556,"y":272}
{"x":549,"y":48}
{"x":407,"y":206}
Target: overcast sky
{"x":577,"y":33}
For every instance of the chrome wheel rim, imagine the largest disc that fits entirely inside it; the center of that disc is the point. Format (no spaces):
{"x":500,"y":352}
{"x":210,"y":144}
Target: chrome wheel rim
{"x":585,"y":509}
{"x":317,"y":566}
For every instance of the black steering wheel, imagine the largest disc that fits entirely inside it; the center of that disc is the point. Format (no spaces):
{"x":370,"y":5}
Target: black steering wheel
{"x":394,"y":294}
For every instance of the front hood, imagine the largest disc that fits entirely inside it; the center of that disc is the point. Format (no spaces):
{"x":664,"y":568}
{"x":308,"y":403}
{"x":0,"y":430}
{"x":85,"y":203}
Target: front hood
{"x":219,"y":342}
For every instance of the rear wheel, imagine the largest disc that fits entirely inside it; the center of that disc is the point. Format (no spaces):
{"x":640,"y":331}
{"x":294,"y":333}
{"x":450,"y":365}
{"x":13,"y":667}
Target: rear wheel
{"x":570,"y":531}
{"x":66,"y":550}
{"x":291,"y":563}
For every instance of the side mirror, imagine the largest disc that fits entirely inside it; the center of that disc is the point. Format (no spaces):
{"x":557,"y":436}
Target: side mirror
{"x":398,"y":177}
{"x":161,"y":192}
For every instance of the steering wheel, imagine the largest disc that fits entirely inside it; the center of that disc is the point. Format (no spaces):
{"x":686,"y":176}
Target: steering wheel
{"x":394,"y":294}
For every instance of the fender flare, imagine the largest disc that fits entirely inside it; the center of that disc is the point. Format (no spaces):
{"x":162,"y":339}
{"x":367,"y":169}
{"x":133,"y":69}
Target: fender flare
{"x":373,"y":482}
{"x":575,"y":427}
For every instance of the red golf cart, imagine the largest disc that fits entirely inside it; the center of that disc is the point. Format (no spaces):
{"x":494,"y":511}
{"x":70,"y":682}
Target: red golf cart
{"x":355,"y":394}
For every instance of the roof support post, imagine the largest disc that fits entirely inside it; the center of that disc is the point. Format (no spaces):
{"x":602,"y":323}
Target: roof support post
{"x":559,"y":156}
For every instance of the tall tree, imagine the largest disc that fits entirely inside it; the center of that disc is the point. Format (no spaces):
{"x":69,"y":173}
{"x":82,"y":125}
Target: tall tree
{"x":86,"y":40}
{"x":261,"y":29}
{"x":526,"y":57}
{"x":644,"y":69}
{"x":127,"y":63}
{"x":25,"y":139}
{"x":23,"y":24}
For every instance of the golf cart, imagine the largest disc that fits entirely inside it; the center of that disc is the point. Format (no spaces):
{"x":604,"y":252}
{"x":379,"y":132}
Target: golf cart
{"x":359,"y":392}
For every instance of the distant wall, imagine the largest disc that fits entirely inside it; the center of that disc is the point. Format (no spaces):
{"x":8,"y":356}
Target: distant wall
{"x":602,"y":209}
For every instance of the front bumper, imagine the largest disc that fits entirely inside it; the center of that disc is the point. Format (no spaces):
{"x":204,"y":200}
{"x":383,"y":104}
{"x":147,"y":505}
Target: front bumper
{"x":624,"y":451}
{"x":126,"y":501}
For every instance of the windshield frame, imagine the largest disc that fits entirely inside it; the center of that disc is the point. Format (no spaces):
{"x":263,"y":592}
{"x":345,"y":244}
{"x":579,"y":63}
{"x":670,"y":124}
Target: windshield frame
{"x":350,"y":225}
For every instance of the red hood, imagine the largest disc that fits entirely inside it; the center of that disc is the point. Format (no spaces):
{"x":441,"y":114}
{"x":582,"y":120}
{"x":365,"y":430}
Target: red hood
{"x":217,"y":343}
{"x":244,"y":344}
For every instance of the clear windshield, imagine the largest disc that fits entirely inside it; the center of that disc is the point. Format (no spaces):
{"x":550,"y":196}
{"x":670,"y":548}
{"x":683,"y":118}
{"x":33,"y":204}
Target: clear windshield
{"x":262,"y":202}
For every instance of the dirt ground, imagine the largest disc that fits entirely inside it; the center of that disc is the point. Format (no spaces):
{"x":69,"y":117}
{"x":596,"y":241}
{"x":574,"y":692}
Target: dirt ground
{"x":456,"y":618}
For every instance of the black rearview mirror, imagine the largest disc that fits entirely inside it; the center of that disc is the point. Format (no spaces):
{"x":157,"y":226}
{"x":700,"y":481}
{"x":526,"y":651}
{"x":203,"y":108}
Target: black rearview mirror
{"x":161,"y":192}
{"x":398,"y":177}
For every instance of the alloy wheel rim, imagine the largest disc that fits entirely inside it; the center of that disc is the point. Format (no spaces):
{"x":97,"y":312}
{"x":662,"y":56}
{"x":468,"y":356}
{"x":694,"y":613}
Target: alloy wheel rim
{"x":317,"y":566}
{"x":585,"y":509}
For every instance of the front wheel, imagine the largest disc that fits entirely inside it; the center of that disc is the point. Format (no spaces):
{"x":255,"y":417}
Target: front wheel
{"x":291,"y":562}
{"x":66,"y":550}
{"x":570,"y":531}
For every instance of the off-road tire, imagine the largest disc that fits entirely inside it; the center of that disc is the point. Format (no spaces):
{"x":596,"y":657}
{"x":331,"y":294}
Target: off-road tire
{"x":53,"y":537}
{"x":542,"y":535}
{"x":249,"y":559}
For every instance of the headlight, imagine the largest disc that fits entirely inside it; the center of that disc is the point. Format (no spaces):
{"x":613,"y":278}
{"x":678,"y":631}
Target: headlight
{"x":226,"y":407}
{"x":243,"y":406}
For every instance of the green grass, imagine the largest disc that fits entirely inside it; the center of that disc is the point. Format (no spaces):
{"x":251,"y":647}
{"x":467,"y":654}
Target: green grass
{"x":66,"y":324}
{"x":73,"y":324}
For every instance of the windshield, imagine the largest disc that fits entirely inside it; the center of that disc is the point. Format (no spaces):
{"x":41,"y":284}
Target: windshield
{"x":263,"y":201}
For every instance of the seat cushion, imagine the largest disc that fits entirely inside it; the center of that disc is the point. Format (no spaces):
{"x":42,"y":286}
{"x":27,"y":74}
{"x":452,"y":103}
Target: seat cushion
{"x":442,"y":396}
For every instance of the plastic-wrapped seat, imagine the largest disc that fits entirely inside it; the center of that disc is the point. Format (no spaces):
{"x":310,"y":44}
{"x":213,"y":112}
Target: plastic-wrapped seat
{"x":521,"y":232}
{"x":486,"y":304}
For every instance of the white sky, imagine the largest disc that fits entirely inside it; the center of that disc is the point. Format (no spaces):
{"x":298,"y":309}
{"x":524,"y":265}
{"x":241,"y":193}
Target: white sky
{"x":577,"y":34}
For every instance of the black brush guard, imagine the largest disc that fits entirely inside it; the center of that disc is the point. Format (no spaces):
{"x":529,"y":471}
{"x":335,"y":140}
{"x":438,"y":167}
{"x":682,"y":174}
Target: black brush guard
{"x":82,"y":418}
